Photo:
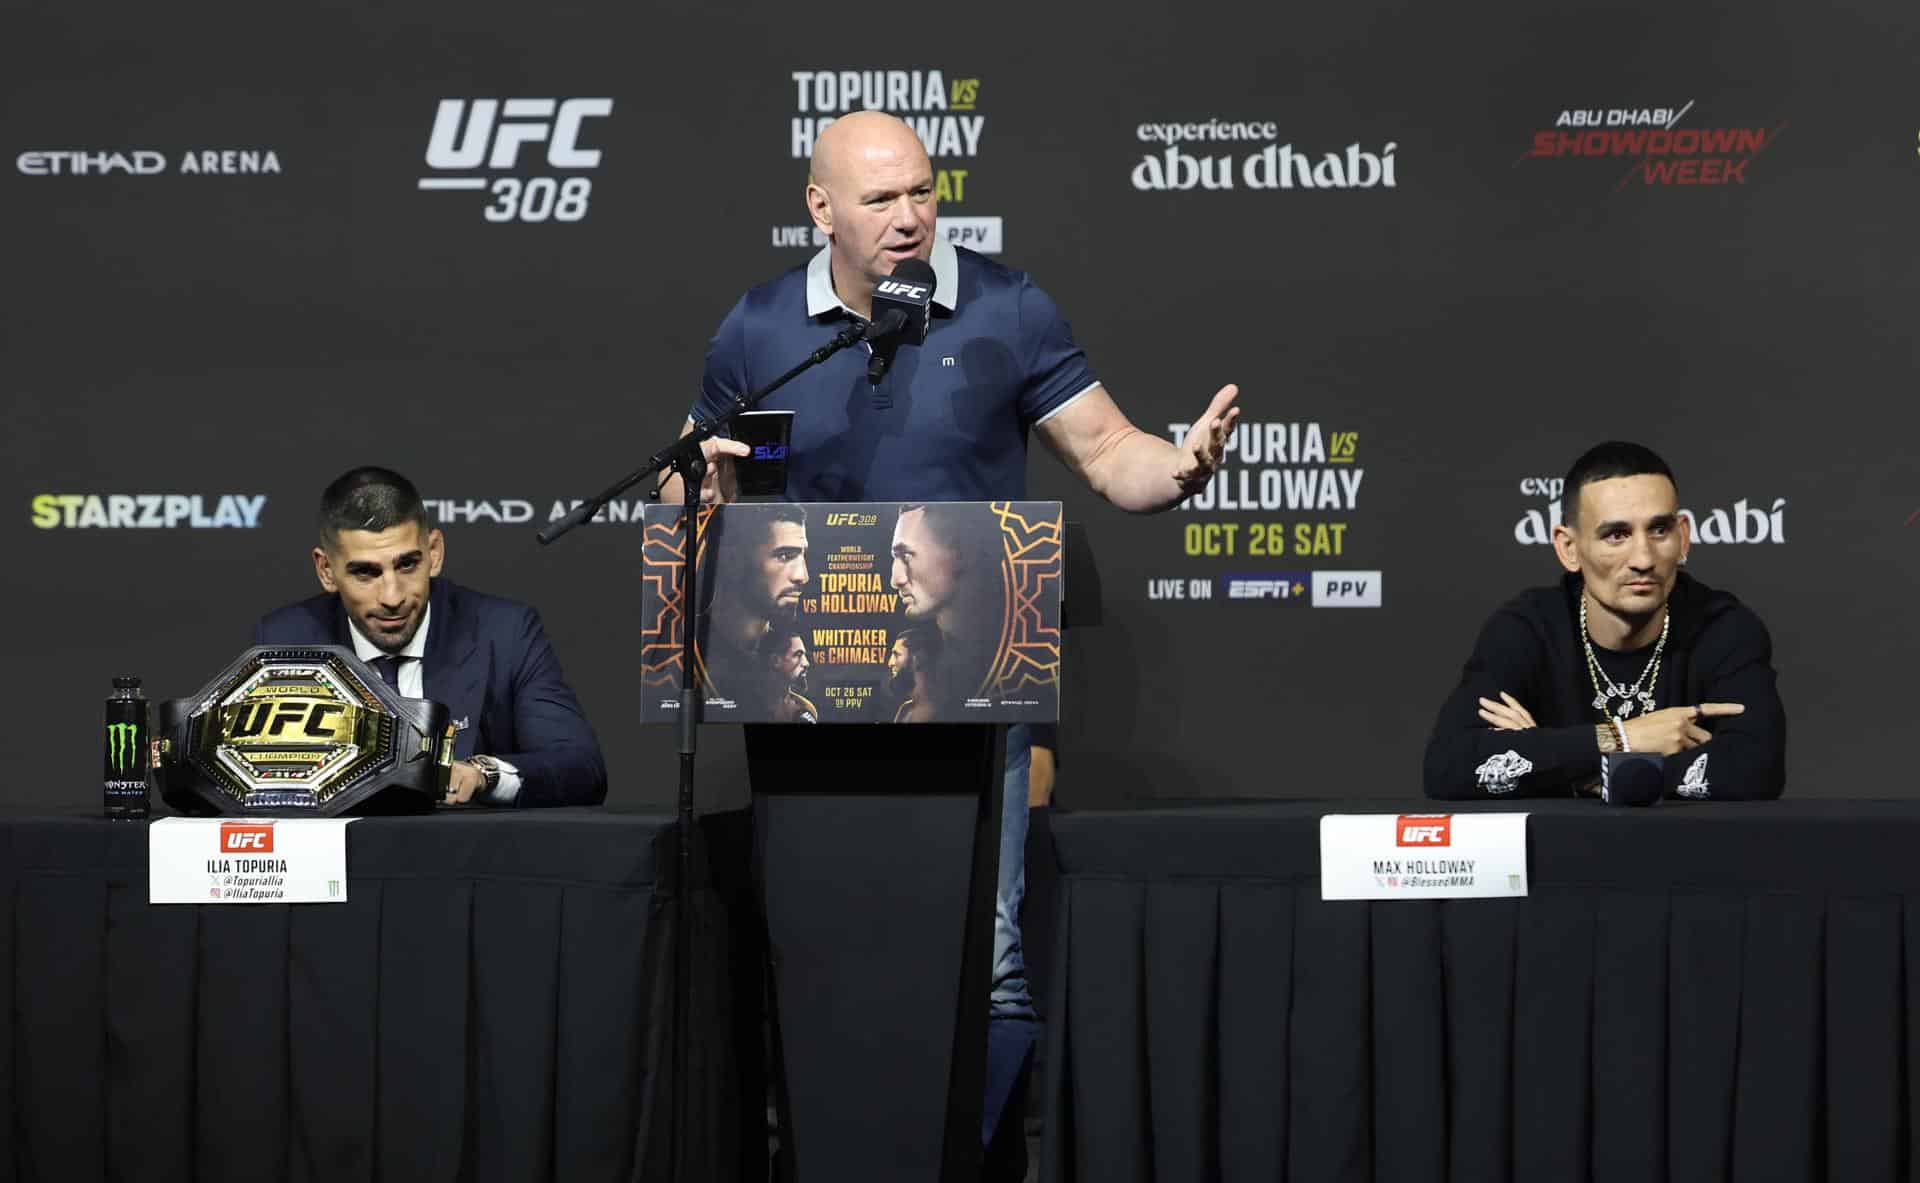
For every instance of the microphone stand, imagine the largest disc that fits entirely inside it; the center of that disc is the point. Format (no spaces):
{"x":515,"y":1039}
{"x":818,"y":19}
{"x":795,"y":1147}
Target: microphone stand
{"x":685,"y":457}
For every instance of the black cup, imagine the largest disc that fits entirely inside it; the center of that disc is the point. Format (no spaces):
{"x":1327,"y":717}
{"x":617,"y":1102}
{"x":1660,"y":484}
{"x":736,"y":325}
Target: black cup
{"x":769,"y":433}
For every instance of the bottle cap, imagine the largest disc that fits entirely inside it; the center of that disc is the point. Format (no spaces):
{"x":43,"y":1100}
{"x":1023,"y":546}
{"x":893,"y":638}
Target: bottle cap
{"x":126,"y":682}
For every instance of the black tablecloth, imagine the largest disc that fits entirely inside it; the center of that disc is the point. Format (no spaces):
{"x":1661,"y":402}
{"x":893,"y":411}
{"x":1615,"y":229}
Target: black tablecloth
{"x":1692,"y":992}
{"x":493,"y":1002}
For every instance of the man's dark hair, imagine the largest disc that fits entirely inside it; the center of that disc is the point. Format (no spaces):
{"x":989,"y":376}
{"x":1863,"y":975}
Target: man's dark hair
{"x":736,"y":554}
{"x":369,"y":498}
{"x":923,"y":645}
{"x":1604,"y":462}
{"x":773,"y":644}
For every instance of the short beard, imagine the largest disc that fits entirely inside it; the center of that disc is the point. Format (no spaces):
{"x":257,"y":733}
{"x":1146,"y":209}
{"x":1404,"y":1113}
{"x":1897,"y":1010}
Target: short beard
{"x":393,"y":649}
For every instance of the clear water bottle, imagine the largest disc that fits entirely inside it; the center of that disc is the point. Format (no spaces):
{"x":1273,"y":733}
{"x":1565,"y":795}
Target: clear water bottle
{"x":127,"y":750}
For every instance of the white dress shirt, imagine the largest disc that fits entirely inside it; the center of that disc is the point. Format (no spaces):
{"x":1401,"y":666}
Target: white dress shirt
{"x":413,"y":684}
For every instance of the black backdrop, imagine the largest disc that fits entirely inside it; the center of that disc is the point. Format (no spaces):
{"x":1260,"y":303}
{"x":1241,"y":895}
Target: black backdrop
{"x":251,"y":332}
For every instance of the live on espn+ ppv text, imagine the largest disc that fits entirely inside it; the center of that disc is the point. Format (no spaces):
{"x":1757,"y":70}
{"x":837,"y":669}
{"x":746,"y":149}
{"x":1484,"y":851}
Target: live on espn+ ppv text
{"x":1450,"y":272}
{"x":937,"y":612}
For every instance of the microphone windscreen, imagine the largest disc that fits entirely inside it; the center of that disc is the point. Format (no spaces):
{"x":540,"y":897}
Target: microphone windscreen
{"x":1632,"y":778}
{"x":908,"y":292}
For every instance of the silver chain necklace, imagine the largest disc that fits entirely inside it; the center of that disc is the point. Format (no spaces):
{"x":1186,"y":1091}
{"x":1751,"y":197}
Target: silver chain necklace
{"x":1605,"y":689}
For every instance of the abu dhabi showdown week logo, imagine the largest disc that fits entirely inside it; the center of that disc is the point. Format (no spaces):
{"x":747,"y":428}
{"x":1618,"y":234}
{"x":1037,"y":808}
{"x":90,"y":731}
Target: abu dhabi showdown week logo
{"x":1652,"y":145}
{"x":943,"y":110}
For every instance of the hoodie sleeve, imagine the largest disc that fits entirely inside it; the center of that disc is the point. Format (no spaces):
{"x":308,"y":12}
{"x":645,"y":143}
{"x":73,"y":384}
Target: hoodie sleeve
{"x":1468,"y":760}
{"x":1746,"y":760}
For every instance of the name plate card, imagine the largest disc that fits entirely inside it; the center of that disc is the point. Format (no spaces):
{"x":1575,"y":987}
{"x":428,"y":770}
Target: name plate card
{"x":1423,"y":856}
{"x":210,"y":860}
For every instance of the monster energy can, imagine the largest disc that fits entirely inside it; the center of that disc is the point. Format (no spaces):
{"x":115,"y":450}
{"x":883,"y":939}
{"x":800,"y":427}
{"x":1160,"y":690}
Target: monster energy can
{"x":126,"y":750}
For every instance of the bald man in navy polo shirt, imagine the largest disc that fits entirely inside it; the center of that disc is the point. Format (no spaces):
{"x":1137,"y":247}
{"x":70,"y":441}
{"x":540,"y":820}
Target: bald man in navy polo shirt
{"x":948,"y":421}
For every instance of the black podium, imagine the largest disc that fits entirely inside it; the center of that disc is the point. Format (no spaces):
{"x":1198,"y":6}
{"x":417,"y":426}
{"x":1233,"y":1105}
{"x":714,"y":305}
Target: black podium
{"x":878,"y":852}
{"x":876,"y":653}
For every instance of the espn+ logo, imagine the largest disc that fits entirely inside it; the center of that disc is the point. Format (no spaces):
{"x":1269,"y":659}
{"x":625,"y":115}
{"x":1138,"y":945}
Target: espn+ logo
{"x":1423,"y":829}
{"x":245,"y":838}
{"x":469,"y":135}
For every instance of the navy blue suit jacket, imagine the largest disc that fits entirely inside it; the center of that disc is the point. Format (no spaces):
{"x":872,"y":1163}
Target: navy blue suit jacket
{"x":489,"y":661}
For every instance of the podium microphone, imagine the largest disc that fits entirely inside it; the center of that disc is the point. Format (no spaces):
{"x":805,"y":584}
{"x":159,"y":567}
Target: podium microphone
{"x":899,"y":314}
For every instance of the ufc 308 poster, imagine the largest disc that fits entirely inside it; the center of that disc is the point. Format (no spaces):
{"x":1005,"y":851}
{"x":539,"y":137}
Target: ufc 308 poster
{"x":939,"y":612}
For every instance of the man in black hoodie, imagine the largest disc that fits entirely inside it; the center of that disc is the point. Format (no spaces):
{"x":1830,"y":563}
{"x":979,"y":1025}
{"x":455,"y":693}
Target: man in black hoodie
{"x":1626,"y":653}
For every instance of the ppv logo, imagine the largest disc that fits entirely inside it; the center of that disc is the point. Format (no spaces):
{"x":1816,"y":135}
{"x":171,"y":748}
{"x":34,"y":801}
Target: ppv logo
{"x":853,"y":519}
{"x":495,"y":132}
{"x":908,"y":291}
{"x":246,"y":838}
{"x":1424,"y":829}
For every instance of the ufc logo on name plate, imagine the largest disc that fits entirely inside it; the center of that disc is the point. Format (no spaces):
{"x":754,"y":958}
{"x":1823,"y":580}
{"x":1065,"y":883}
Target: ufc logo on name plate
{"x":245,"y":838}
{"x":1424,"y":829}
{"x":493,"y":135}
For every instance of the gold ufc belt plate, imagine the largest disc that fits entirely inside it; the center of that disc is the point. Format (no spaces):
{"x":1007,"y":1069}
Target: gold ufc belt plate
{"x":303,"y":730}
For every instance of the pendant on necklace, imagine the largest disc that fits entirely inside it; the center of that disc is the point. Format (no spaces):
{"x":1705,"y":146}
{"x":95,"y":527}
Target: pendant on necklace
{"x":1646,"y":700}
{"x":1599,"y":702}
{"x":1626,"y":708}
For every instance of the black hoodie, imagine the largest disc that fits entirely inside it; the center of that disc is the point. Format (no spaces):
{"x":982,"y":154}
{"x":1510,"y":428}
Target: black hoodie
{"x":1717,"y":651}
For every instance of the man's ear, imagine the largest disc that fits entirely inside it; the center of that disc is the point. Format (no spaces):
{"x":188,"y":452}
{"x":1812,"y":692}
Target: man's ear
{"x":1564,"y":549}
{"x":820,"y":207}
{"x":1686,"y":535}
{"x":323,"y":570}
{"x":436,"y":552}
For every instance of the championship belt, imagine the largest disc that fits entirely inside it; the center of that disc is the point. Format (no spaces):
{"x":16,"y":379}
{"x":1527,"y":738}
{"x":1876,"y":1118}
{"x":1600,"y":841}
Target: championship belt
{"x":302,"y":731}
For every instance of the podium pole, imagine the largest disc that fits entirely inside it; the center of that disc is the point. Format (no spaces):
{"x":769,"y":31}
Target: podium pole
{"x":692,"y":469}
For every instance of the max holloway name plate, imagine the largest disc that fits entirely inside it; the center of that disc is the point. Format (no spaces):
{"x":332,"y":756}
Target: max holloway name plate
{"x":1423,"y":856}
{"x":211,"y":861}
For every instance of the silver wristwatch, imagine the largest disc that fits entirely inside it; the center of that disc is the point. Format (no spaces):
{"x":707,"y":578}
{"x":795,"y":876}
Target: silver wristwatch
{"x":490,"y":768}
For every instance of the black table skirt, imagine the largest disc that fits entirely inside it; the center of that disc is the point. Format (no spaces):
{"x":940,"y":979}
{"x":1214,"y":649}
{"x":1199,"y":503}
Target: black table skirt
{"x":1693,"y":992}
{"x":493,"y":1002}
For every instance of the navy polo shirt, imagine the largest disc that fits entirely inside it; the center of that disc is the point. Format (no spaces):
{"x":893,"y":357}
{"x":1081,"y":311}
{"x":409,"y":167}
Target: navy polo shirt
{"x":949,"y":420}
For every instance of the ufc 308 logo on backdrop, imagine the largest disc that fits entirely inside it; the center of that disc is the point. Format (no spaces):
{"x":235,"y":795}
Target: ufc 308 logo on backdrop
{"x":473,"y":138}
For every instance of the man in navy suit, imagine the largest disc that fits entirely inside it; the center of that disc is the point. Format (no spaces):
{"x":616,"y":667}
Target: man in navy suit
{"x":521,"y":738}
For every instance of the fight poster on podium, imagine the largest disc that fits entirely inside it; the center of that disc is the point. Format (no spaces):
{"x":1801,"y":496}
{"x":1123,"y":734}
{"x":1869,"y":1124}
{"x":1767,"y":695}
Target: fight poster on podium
{"x":936,"y":612}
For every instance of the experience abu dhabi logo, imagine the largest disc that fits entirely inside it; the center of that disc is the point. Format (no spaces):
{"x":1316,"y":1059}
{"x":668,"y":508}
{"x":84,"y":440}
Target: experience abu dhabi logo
{"x":1750,"y":520}
{"x":1217,"y":154}
{"x":944,"y":109}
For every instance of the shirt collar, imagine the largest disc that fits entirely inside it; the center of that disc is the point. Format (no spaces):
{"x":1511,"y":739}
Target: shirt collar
{"x":366,"y":650}
{"x":822,"y":299}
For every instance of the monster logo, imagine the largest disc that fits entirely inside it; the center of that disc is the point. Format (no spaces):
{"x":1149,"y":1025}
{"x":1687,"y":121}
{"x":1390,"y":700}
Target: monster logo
{"x":123,"y":745}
